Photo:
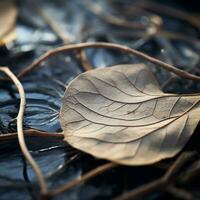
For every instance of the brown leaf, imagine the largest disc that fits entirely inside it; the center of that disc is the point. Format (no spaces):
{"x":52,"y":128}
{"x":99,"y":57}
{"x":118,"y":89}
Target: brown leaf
{"x":8,"y":14}
{"x":120,"y":114}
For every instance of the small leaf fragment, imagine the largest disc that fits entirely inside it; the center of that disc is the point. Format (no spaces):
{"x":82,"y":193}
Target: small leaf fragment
{"x":120,"y":114}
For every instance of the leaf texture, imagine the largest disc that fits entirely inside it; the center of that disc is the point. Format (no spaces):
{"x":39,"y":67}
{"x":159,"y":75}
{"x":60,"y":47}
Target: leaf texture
{"x":120,"y":114}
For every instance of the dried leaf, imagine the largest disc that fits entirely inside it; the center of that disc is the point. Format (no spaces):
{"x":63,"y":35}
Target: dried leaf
{"x":8,"y":14}
{"x":120,"y":114}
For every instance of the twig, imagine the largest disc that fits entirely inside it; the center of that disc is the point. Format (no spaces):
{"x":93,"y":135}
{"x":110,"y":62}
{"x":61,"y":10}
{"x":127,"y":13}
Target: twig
{"x":179,"y":193}
{"x":122,"y":48}
{"x":160,"y":183}
{"x":20,"y":133}
{"x":85,"y":177}
{"x":193,"y":171}
{"x":31,"y":133}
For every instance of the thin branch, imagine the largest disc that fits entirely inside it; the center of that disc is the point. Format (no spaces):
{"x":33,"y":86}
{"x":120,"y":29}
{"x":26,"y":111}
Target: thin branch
{"x":31,"y":133}
{"x":20,"y":133}
{"x":179,"y":193}
{"x":91,"y":174}
{"x":160,"y":183}
{"x":122,"y":48}
{"x":192,"y":172}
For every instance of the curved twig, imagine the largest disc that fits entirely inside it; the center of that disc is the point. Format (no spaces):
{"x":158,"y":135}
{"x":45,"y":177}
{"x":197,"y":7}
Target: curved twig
{"x":122,"y":48}
{"x":20,"y":133}
{"x":179,"y":193}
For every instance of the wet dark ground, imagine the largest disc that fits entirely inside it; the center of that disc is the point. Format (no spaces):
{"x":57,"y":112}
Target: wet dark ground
{"x":45,"y":86}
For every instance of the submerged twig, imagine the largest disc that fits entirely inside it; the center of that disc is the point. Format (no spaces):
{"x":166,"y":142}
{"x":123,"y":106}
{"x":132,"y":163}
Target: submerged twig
{"x":20,"y":132}
{"x":122,"y":48}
